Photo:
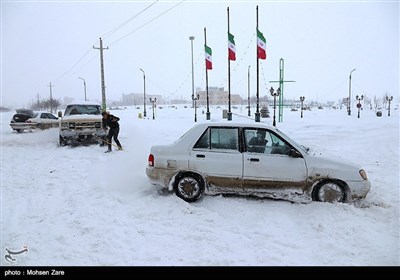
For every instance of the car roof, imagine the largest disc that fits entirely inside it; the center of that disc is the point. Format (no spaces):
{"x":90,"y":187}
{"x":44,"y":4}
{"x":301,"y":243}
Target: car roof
{"x":235,"y":124}
{"x":83,"y":103}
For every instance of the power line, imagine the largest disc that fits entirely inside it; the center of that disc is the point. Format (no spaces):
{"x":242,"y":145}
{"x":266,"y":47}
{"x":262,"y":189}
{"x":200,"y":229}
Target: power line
{"x":73,"y":66}
{"x":125,"y":22}
{"x":107,"y":35}
{"x":126,"y":35}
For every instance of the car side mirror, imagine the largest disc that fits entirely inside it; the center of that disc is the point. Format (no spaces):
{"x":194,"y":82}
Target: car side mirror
{"x":295,"y":154}
{"x":59,"y":114}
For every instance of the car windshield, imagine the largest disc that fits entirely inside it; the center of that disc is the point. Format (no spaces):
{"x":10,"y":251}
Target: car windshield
{"x":82,"y":110}
{"x":303,"y":148}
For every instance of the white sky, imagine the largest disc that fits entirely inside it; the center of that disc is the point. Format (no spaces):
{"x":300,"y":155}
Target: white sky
{"x":321,"y":42}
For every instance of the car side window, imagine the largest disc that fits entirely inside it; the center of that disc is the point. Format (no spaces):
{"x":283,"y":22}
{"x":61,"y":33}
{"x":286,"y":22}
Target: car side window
{"x":43,"y":116}
{"x":224,"y":138}
{"x":265,"y":142}
{"x":279,"y":146}
{"x":218,"y":138}
{"x":203,"y":142}
{"x":257,"y":140}
{"x":52,"y":117}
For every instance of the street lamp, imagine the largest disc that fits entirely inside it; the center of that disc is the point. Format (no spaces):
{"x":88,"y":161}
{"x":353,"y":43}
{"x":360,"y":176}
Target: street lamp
{"x":389,"y":99}
{"x":302,"y":100}
{"x":144,"y":93}
{"x":274,"y":94}
{"x":349,"y":108}
{"x":84,"y":85}
{"x":359,"y":98}
{"x":191,"y":38}
{"x":248,"y":91}
{"x":153,"y":104}
{"x":195,"y":98}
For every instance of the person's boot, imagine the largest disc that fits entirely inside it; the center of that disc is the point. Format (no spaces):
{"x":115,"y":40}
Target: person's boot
{"x":109,"y":150}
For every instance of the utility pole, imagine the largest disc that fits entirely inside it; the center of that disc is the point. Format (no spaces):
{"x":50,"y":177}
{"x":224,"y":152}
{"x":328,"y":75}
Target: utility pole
{"x":51,"y":94}
{"x":38,"y":96}
{"x":51,"y":98}
{"x":248,"y":91}
{"x":103,"y":85}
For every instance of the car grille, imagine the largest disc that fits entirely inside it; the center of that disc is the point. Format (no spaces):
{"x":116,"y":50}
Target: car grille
{"x":84,"y":125}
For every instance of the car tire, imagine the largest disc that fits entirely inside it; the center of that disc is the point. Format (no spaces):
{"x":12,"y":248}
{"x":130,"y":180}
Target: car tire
{"x":19,"y":130}
{"x":62,"y":141}
{"x":189,"y":186}
{"x":40,"y":126}
{"x":329,"y":191}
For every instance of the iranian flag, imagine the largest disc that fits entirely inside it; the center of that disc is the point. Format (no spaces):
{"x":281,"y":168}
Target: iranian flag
{"x":261,"y":47}
{"x":208,"y":57}
{"x":231,"y":47}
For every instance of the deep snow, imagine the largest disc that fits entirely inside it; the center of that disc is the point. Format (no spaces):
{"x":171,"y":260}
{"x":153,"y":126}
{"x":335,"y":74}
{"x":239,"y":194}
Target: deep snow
{"x":80,"y":206}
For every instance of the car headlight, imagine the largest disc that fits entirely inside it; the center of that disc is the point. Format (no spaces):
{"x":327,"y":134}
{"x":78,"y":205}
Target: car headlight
{"x":363,"y":174}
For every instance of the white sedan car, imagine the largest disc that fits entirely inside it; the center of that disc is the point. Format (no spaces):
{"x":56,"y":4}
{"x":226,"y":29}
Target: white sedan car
{"x":31,"y":120}
{"x":251,"y":159}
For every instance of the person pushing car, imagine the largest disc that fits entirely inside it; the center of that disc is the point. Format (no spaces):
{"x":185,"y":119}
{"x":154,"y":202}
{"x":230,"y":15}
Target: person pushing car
{"x":112,"y":122}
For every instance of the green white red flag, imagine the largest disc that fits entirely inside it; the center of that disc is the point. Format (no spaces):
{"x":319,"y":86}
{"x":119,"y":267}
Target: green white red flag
{"x":261,"y":46}
{"x":231,"y":47}
{"x":208,"y":53}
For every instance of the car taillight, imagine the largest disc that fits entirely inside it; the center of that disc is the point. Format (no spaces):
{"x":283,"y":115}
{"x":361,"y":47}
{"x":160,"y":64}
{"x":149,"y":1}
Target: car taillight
{"x":151,"y":160}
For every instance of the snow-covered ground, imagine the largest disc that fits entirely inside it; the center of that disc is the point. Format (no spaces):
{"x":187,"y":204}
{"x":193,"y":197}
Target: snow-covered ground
{"x":80,"y":206}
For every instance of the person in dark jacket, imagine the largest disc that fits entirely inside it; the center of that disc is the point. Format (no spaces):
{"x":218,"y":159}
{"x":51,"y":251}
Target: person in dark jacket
{"x":112,"y":122}
{"x":257,"y":143}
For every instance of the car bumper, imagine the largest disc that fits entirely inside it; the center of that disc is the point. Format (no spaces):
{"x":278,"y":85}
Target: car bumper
{"x":358,"y":190}
{"x":68,"y":134}
{"x":23,"y":126}
{"x":160,"y":176}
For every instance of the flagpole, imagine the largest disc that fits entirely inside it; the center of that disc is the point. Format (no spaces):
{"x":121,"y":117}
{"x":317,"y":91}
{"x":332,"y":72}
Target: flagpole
{"x":257,"y":114}
{"x":229,"y":79}
{"x":208,"y":108}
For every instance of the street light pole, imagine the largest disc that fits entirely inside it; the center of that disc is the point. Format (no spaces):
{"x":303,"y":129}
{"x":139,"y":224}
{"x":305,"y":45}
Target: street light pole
{"x":191,"y":38}
{"x":389,"y":99}
{"x":274,"y":94}
{"x":84,"y":85}
{"x":144,"y":93}
{"x":349,"y":103}
{"x":248,"y":91}
{"x":359,"y":98}
{"x":302,"y":100}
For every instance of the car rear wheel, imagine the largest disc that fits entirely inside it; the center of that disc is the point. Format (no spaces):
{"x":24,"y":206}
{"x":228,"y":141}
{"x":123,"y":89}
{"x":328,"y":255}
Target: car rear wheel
{"x":329,"y":191}
{"x":189,"y":186}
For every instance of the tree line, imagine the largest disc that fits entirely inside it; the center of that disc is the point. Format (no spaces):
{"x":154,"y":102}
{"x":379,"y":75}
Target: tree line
{"x":50,"y":105}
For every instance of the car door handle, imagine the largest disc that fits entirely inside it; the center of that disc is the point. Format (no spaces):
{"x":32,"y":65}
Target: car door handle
{"x":200,"y":156}
{"x":254,"y":159}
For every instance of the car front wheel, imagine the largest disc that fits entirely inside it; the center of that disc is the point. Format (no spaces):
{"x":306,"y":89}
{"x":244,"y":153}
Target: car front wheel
{"x":189,"y":186}
{"x":329,"y":191}
{"x":63,"y":142}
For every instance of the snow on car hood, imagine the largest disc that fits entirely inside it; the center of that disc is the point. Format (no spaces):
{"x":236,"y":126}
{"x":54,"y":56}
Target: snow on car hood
{"x":78,"y":118}
{"x":336,"y":167}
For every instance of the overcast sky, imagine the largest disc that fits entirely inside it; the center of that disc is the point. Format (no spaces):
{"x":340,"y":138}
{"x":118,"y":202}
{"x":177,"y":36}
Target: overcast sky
{"x":321,"y":42}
